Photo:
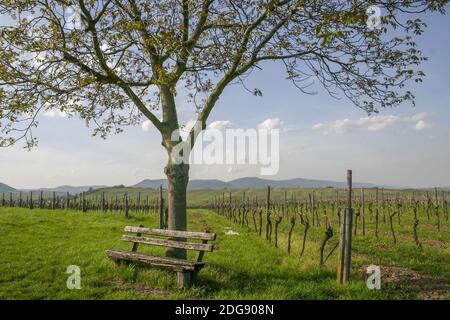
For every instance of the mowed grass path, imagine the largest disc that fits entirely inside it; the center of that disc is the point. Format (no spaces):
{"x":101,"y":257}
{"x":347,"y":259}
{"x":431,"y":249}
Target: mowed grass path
{"x":36,"y":247}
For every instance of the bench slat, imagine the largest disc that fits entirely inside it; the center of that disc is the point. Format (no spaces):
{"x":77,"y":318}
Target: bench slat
{"x":172,"y":233}
{"x":173,"y":263}
{"x":170,"y":243}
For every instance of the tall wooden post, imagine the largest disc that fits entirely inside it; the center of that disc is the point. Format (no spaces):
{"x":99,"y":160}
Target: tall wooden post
{"x":20,"y":199}
{"x":10,"y":199}
{"x":3,"y":199}
{"x":67,"y":200}
{"x":345,"y":237}
{"x":161,"y":208}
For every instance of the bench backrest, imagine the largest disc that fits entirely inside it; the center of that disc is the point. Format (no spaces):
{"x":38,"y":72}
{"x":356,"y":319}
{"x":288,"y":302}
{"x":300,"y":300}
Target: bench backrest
{"x":176,"y":239}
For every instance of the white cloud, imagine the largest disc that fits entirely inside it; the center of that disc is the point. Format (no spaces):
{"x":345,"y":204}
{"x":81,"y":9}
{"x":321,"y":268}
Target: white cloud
{"x":146,"y":125}
{"x":271,"y":123}
{"x":51,"y":113}
{"x":421,"y":125}
{"x":374,"y":123}
{"x":419,"y":116}
{"x":216,"y":125}
{"x":220,"y":125}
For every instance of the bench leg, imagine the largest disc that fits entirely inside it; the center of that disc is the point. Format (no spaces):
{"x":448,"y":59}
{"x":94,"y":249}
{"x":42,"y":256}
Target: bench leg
{"x":184,"y":279}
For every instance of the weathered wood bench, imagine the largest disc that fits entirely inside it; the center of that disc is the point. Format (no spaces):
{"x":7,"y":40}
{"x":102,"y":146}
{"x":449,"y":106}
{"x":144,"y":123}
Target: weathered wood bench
{"x":187,"y":269}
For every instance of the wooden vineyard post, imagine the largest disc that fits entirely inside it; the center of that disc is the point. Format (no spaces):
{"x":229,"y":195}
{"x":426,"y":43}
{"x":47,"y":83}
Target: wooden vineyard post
{"x":340,"y":266}
{"x":53,"y":200}
{"x":315,"y":209}
{"x":10,"y":199}
{"x":67,"y":201}
{"x":103,"y":201}
{"x":126,"y":204}
{"x":436,"y":209}
{"x":3,"y":199}
{"x":445,"y":204}
{"x":363,"y":220}
{"x":138,"y":203}
{"x":83,"y":202}
{"x":20,"y":199}
{"x":345,"y":237}
{"x":377,"y":213}
{"x":230,"y":207}
{"x":31,"y":200}
{"x":161,"y":208}
{"x":268,"y":213}
{"x":336,"y":204}
{"x":222,"y":205}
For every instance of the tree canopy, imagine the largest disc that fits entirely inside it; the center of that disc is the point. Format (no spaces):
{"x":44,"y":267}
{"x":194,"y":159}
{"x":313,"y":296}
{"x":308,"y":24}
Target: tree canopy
{"x":113,"y":62}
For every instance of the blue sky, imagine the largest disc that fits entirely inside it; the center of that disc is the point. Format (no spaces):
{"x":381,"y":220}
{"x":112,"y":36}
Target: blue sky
{"x":321,"y":137}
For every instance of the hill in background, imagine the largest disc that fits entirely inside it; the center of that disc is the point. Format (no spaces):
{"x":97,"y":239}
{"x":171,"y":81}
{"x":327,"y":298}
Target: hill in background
{"x":206,"y":184}
{"x":6,"y":188}
{"x":251,"y":183}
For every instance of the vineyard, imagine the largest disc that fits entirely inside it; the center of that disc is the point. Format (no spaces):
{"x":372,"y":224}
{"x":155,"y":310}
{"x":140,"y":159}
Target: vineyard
{"x":377,"y":218}
{"x":292,"y":232}
{"x":377,"y":212}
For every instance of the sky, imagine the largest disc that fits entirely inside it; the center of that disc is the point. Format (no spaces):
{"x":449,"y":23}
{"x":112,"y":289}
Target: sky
{"x":320,"y":136}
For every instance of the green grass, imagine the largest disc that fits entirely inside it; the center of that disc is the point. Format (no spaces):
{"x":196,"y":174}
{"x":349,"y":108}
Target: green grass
{"x":38,"y":245}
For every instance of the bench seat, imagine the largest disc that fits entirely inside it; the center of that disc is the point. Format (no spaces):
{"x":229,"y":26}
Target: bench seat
{"x":167,"y":262}
{"x":186,"y":269}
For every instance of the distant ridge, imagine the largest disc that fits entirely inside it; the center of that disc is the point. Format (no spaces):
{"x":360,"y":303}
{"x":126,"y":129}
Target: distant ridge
{"x":67,"y":188}
{"x":252,"y":183}
{"x":195,"y":184}
{"x":6,"y":188}
{"x":209,"y":184}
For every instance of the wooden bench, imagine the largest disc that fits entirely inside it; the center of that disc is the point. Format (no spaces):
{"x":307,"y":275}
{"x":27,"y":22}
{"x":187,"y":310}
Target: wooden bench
{"x":187,"y":269}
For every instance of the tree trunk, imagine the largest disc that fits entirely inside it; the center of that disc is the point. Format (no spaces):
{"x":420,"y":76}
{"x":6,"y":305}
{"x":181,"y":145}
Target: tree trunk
{"x":177,"y":180}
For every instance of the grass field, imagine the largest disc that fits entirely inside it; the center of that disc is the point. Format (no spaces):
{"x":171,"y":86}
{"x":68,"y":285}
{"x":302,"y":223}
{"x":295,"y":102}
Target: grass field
{"x":38,"y":245}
